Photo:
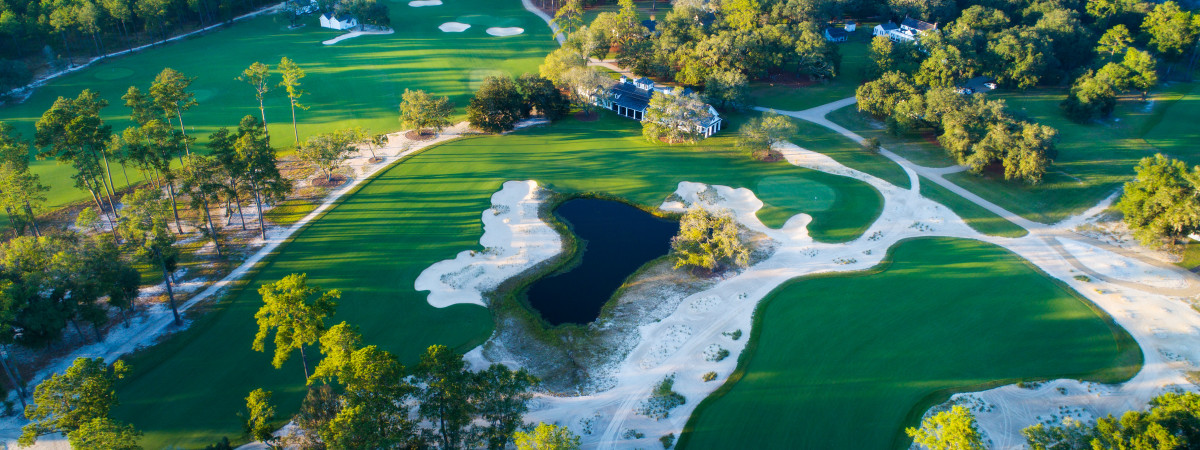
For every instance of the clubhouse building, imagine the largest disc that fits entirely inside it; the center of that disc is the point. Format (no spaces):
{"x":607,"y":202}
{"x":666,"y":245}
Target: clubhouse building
{"x":630,"y":98}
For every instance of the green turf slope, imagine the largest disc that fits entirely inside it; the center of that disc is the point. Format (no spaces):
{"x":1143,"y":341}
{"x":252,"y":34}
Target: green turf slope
{"x":373,"y":245}
{"x":848,"y":361}
{"x":355,"y":82}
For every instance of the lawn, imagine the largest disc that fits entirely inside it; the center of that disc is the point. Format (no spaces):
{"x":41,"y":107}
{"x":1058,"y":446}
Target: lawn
{"x":355,"y":82}
{"x":791,"y":97}
{"x":188,"y":391}
{"x":819,"y":139}
{"x":832,"y":363}
{"x":976,"y":217}
{"x":920,"y":150}
{"x":1094,"y":159}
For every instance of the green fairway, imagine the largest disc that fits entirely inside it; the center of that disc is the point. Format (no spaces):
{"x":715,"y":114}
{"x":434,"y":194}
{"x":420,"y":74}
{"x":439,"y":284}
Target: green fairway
{"x":820,"y":139}
{"x":977,"y":217}
{"x":916,"y":149}
{"x":847,"y":361}
{"x":188,"y":390}
{"x":1094,"y":158}
{"x":791,"y":97}
{"x":354,"y":82}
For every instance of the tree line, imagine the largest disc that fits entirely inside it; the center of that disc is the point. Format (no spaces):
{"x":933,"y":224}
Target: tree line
{"x":34,"y":30}
{"x":1172,"y":421}
{"x":360,"y":396}
{"x":977,"y":132}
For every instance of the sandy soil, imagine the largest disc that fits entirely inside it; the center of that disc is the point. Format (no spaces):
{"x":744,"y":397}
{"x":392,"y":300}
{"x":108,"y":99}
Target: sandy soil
{"x":453,"y":27}
{"x":1167,"y":329}
{"x":505,"y":31}
{"x":1113,"y":265}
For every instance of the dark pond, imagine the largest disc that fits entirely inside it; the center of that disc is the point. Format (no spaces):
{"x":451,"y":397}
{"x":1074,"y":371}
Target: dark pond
{"x":616,"y":240}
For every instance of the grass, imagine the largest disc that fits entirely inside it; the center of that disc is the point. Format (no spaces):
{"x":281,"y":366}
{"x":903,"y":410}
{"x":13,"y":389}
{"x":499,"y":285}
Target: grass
{"x":915,"y":149}
{"x":1094,"y":159}
{"x":941,"y":317}
{"x":790,"y":97}
{"x":375,"y":242}
{"x":975,"y":216}
{"x":355,"y":82}
{"x":291,"y":211}
{"x":817,"y":138}
{"x":1191,"y":256}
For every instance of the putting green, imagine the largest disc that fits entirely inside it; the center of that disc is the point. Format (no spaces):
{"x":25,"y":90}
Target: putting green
{"x":800,"y":193}
{"x":373,"y":245}
{"x":847,"y":361}
{"x":357,"y":82}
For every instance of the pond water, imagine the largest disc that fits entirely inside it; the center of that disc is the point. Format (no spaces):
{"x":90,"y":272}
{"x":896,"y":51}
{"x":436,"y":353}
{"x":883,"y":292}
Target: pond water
{"x":616,"y":240}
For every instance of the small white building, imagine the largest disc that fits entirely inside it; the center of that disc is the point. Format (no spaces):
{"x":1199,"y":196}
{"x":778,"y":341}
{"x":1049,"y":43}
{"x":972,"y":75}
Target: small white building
{"x":851,"y":26}
{"x":338,"y":21}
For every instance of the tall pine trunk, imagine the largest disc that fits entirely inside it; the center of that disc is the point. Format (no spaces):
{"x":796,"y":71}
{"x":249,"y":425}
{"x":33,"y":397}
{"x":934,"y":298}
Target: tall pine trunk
{"x":186,"y":148}
{"x":167,"y":282}
{"x":174,"y":207}
{"x":295,"y":130}
{"x":262,"y":227}
{"x":211,"y":229}
{"x":32,"y":219}
{"x":14,"y":377}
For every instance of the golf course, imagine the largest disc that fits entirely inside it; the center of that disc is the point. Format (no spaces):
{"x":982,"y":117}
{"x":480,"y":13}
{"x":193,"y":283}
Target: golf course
{"x":376,"y":241}
{"x":356,"y":82}
{"x":806,"y":277}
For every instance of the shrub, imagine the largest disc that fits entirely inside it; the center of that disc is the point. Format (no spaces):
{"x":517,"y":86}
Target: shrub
{"x":668,"y":440}
{"x":709,"y":376}
{"x":871,"y":144}
{"x":662,"y":400}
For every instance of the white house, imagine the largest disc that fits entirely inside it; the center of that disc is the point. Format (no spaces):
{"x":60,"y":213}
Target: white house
{"x":909,"y":30}
{"x":851,"y":26}
{"x":630,"y":98}
{"x":338,"y":21}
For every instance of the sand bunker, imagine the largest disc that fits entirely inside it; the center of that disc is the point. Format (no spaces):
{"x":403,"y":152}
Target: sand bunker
{"x":1125,"y":269}
{"x":514,"y":239}
{"x":420,"y":3}
{"x":453,"y":27}
{"x":505,"y":31}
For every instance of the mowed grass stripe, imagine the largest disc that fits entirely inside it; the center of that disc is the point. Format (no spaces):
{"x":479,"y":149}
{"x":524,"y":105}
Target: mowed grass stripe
{"x":372,"y":246}
{"x":976,"y":217}
{"x":357,"y":82}
{"x":847,"y":361}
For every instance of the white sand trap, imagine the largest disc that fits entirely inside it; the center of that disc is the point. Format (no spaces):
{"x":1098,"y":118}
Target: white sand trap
{"x":453,"y":27}
{"x":514,"y":239}
{"x":420,"y":3}
{"x":505,"y":31}
{"x":1121,"y":268}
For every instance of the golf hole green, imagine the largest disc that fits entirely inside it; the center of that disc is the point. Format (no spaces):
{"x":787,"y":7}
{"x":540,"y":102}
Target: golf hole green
{"x":113,"y":73}
{"x":796,"y":192}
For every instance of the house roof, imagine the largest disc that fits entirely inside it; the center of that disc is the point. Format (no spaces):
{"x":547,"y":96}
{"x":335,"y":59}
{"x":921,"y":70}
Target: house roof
{"x":650,"y":24}
{"x":837,"y":33}
{"x":629,"y":96}
{"x":917,"y":24}
{"x":888,"y":26}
